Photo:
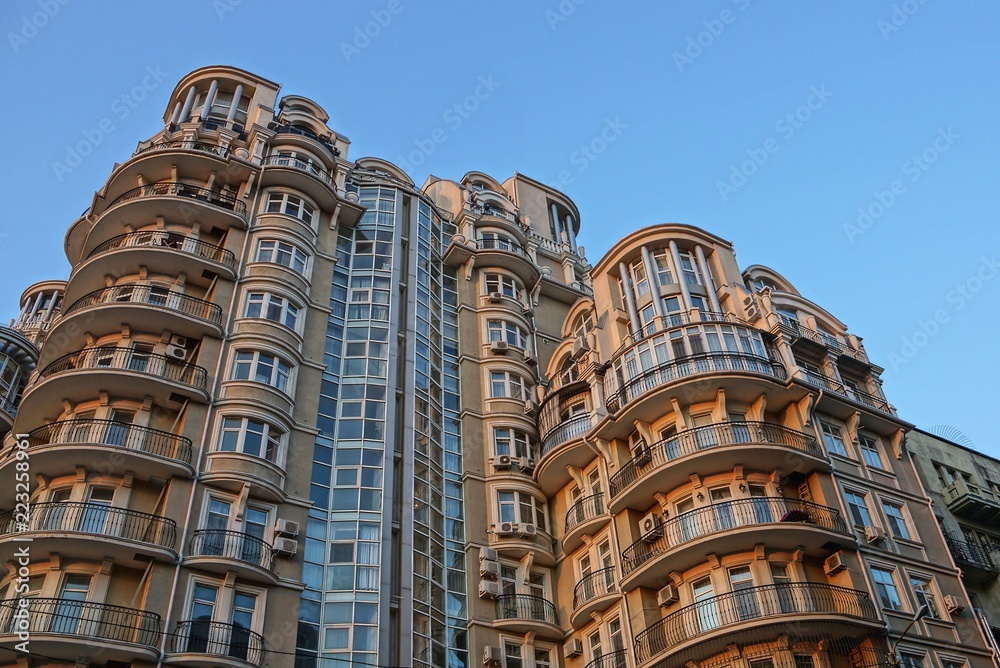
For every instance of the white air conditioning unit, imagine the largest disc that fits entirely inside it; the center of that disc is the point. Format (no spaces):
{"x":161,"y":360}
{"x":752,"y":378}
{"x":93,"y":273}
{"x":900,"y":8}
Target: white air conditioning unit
{"x":529,"y":407}
{"x":579,"y":347}
{"x":179,"y":341}
{"x":955,"y":604}
{"x":492,"y":655}
{"x":502,"y":462}
{"x":834,"y":563}
{"x":285,"y":527}
{"x":651,"y":526}
{"x":750,"y":306}
{"x":286,"y":547}
{"x":488,"y":554}
{"x":527,"y":530}
{"x":873,"y":534}
{"x":641,"y":454}
{"x":528,"y":359}
{"x":573,"y":648}
{"x":527,"y":464}
{"x":176,"y":352}
{"x":489,"y":569}
{"x":667,"y":596}
{"x":505,"y":529}
{"x":488,"y":589}
{"x":499,"y":346}
{"x":496,"y":297}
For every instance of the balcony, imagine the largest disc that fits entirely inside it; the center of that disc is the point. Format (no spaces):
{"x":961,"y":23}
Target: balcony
{"x":966,"y":499}
{"x":757,"y":444}
{"x":797,"y":331}
{"x":220,"y":551}
{"x":161,"y":252}
{"x":728,"y":526}
{"x":522,"y":613}
{"x":563,"y":446}
{"x":304,"y":175}
{"x":852,"y":393}
{"x":768,"y":606}
{"x":186,"y":145}
{"x":566,"y":431}
{"x":92,"y":527}
{"x":507,"y":254}
{"x":615,"y":659}
{"x":60,"y":629}
{"x":584,"y":517}
{"x":208,"y":200}
{"x":209,"y":644}
{"x":688,"y":367}
{"x":673,"y":321}
{"x":496,"y":211}
{"x":975,"y":561}
{"x":301,"y":131}
{"x":593,"y":593}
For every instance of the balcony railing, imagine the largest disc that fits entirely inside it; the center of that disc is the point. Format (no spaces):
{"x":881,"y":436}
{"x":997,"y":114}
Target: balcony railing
{"x":223,"y":200}
{"x":970,"y":553}
{"x":218,"y":639}
{"x":171,"y":240}
{"x":204,"y":147}
{"x":523,"y":606}
{"x":585,"y":509}
{"x":746,"y":605}
{"x":502,"y":245}
{"x":278,"y":160}
{"x":823,"y":339}
{"x":8,"y":405}
{"x":723,"y":517}
{"x":93,"y":518}
{"x":93,"y":621}
{"x":683,"y":367}
{"x":575,"y":427}
{"x":595,"y":584}
{"x":118,"y":434}
{"x":862,"y":397}
{"x":130,"y":359}
{"x":697,"y":439}
{"x":614,"y":660}
{"x":152,"y":295}
{"x":289,"y":129}
{"x":673,"y":321}
{"x":490,"y":210}
{"x":232,"y":545}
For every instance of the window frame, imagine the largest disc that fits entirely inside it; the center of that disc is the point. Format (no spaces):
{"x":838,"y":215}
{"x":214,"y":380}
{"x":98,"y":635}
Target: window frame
{"x":848,"y":494}
{"x":502,"y":283}
{"x":274,"y":254}
{"x":265,"y":300}
{"x":513,"y":384}
{"x":281,"y":374}
{"x":272,"y":437}
{"x":897,"y":520}
{"x":891,"y":589}
{"x":279,"y":201}
{"x":516,"y":504}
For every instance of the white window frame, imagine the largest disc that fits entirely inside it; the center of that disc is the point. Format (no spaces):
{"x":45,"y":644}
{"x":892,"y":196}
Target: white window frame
{"x":515,"y":441}
{"x":848,"y":493}
{"x":284,"y":253}
{"x":898,"y":519}
{"x":896,"y":605}
{"x":267,"y":304}
{"x":517,"y":499}
{"x":296,"y":206}
{"x":505,"y":330}
{"x":272,"y":436}
{"x":870,"y":451}
{"x":827,"y":429}
{"x":514,"y":385}
{"x":280,"y":376}
{"x":506,"y":285}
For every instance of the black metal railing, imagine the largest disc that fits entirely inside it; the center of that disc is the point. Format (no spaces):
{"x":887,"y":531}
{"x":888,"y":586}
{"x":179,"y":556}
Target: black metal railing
{"x":575,"y":427}
{"x":595,"y":584}
{"x":130,"y":359}
{"x":118,"y":434}
{"x":673,"y":321}
{"x":94,"y":518}
{"x":152,"y":295}
{"x":719,"y":612}
{"x":690,"y":441}
{"x":822,"y":338}
{"x":232,"y":545}
{"x":506,"y":245}
{"x":93,"y":621}
{"x":278,"y":160}
{"x":171,"y":240}
{"x":190,"y":145}
{"x":9,"y":405}
{"x":970,"y":553}
{"x":585,"y":509}
{"x":723,"y":517}
{"x":835,"y":386}
{"x":491,"y":210}
{"x":523,"y":606}
{"x":615,"y":659}
{"x":223,"y":200}
{"x":870,"y":400}
{"x":683,"y":367}
{"x":198,"y":636}
{"x":290,"y":129}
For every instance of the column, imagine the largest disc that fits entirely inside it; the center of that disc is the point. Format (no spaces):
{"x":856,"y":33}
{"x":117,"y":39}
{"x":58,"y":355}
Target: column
{"x":709,"y":282}
{"x":571,"y":234}
{"x":209,"y":98}
{"x":186,"y":109}
{"x":633,"y":316}
{"x":52,"y":305}
{"x":176,"y":112}
{"x":237,"y":94}
{"x":685,"y":291}
{"x":654,"y":281}
{"x":556,"y":225}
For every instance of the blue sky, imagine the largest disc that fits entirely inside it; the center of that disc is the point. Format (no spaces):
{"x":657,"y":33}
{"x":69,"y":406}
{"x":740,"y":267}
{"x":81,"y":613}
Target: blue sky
{"x":852,"y":146}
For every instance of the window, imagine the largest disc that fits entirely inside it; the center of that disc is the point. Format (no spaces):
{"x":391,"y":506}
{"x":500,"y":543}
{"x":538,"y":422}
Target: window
{"x":69,"y":610}
{"x":640,"y":282}
{"x":272,"y":307}
{"x":251,"y":437}
{"x":521,"y":508}
{"x":505,"y":285}
{"x":894,"y":516}
{"x":283,"y":253}
{"x":885,"y":586}
{"x":262,"y":368}
{"x":583,"y":324}
{"x":661,"y":258}
{"x":291,"y":205}
{"x":509,"y":441}
{"x":911,"y":660}
{"x":834,"y":439}
{"x":204,"y":610}
{"x":870,"y":451}
{"x":923,"y":591}
{"x":512,"y":656}
{"x":690,"y":269}
{"x":501,"y":330}
{"x":509,"y":385}
{"x":858,"y":507}
{"x":495,"y":241}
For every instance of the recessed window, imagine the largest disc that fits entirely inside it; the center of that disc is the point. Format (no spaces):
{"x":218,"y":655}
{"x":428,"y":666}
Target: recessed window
{"x":520,"y":508}
{"x":690,"y":269}
{"x":505,"y":285}
{"x":283,"y":253}
{"x":640,"y":280}
{"x":834,"y":439}
{"x":509,"y":385}
{"x":911,"y":660}
{"x":923,"y":591}
{"x":251,"y":437}
{"x":870,"y":451}
{"x":509,"y":441}
{"x":663,"y":261}
{"x":885,"y":586}
{"x":897,"y":522}
{"x":501,"y":330}
{"x":262,"y":368}
{"x":859,"y":508}
{"x":272,"y":307}
{"x":291,"y":205}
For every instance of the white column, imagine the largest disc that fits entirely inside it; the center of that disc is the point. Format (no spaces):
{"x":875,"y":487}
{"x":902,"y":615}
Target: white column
{"x":557,"y":225}
{"x":709,"y":283}
{"x":209,"y":98}
{"x":571,"y":234}
{"x":37,"y":305}
{"x":685,"y":292}
{"x":176,"y":113}
{"x":633,"y":315}
{"x":186,"y":109}
{"x":654,"y":281}
{"x":237,"y":94}
{"x":52,"y":305}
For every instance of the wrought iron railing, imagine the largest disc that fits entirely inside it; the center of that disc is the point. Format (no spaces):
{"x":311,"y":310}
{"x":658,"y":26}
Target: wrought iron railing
{"x":575,"y":427}
{"x":523,"y":606}
{"x":131,"y":359}
{"x":595,"y":584}
{"x":673,"y":321}
{"x":490,"y":210}
{"x":290,"y":129}
{"x":585,"y":509}
{"x":9,"y":405}
{"x":232,"y":545}
{"x":719,"y":612}
{"x":278,"y":160}
{"x":118,"y":434}
{"x":152,"y":295}
{"x":683,"y":367}
{"x":834,"y":385}
{"x":224,"y":200}
{"x":93,"y":518}
{"x":723,"y":517}
{"x":823,"y":339}
{"x":690,"y":441}
{"x":171,"y":240}
{"x":93,"y":621}
{"x":970,"y":553}
{"x":505,"y":245}
{"x":204,"y":147}
{"x":198,"y":636}
{"x":615,"y":659}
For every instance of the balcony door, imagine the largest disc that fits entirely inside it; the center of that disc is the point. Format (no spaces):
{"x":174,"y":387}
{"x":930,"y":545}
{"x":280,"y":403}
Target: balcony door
{"x":744,"y":599}
{"x":216,"y":525}
{"x":53,"y":515}
{"x":722,"y":509}
{"x":95,"y":516}
{"x":244,"y":606}
{"x":117,"y":431}
{"x":255,"y":524}
{"x":705,"y":605}
{"x":686,"y":521}
{"x":68,"y":614}
{"x":203,"y":601}
{"x":783,"y":584}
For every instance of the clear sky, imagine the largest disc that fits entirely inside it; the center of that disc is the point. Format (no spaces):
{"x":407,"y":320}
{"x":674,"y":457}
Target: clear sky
{"x":851,"y":145}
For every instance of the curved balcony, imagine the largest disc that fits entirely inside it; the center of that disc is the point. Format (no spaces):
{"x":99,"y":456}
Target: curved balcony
{"x":759,"y":445}
{"x":302,"y":175}
{"x":185,"y":145}
{"x":834,"y":386}
{"x":563,"y":446}
{"x":584,"y":517}
{"x":327,"y":143}
{"x":715,"y":618}
{"x":615,"y":659}
{"x":509,"y":255}
{"x":689,"y":367}
{"x":91,"y":526}
{"x":178,"y":189}
{"x":60,"y":629}
{"x":673,"y":321}
{"x":220,"y":551}
{"x":233,"y":470}
{"x":208,"y":644}
{"x":594,"y":592}
{"x":522,"y":613}
{"x":685,"y":539}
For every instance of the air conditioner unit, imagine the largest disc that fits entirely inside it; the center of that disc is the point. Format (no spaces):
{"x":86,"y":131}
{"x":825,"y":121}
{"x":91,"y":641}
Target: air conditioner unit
{"x":492,"y":656}
{"x":488,"y":554}
{"x":286,"y":528}
{"x":286,"y":547}
{"x":527,"y":464}
{"x":873,"y":534}
{"x":505,"y":529}
{"x":502,"y":462}
{"x":750,"y":306}
{"x":528,"y":359}
{"x":496,"y":297}
{"x":834,"y":563}
{"x":641,"y":454}
{"x":529,"y":406}
{"x":489,"y":589}
{"x":498,"y":346}
{"x":667,"y":596}
{"x":176,"y":340}
{"x":573,"y":648}
{"x":527,"y":530}
{"x":955,"y":604}
{"x":651,"y":526}
{"x":176,"y":352}
{"x":579,"y":347}
{"x":489,"y":569}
